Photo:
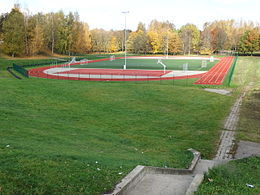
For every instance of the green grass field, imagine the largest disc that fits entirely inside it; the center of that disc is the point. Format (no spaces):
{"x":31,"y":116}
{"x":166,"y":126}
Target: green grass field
{"x":151,"y":64}
{"x":247,"y":75}
{"x":232,"y":178}
{"x":77,"y":137}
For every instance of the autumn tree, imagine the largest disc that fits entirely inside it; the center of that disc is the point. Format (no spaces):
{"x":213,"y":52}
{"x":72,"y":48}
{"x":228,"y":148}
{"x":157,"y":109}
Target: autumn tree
{"x":174,"y":43}
{"x":138,"y":41}
{"x":113,"y":44}
{"x":155,"y":41}
{"x":190,"y":36}
{"x":159,"y":34}
{"x":35,"y":34}
{"x":100,"y":40}
{"x":50,"y":31}
{"x":81,"y":38}
{"x":249,"y":42}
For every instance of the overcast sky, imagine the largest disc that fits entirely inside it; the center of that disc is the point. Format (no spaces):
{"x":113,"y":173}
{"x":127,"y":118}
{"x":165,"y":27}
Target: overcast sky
{"x":107,"y":14}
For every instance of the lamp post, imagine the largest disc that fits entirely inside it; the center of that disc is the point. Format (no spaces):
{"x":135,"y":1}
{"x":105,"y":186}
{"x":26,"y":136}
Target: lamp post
{"x":125,"y":37}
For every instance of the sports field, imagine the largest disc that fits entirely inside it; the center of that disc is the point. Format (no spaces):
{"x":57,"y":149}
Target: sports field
{"x":208,"y":70}
{"x":148,"y":63}
{"x":67,"y":137}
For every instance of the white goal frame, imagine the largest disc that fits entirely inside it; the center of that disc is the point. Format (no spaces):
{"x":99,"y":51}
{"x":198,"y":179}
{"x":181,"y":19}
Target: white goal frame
{"x":164,"y":66}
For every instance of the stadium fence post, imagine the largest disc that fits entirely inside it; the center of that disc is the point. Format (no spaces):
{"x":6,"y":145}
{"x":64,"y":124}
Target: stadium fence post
{"x":186,"y":79}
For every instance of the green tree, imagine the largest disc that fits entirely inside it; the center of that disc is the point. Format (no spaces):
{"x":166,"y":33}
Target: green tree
{"x":13,"y":33}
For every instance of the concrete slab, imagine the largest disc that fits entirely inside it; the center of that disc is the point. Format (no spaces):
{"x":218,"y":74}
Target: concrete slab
{"x":247,"y":149}
{"x":203,"y":166}
{"x":195,"y":184}
{"x":160,"y":184}
{"x":219,"y":91}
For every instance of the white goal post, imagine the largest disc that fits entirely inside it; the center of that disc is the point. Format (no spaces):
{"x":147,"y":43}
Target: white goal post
{"x":211,"y":59}
{"x":73,"y":60}
{"x":160,"y":62}
{"x":83,"y":61}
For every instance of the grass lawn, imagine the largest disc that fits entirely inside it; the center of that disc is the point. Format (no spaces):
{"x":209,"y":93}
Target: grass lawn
{"x":78,"y":137}
{"x":232,"y":178}
{"x":247,"y":73}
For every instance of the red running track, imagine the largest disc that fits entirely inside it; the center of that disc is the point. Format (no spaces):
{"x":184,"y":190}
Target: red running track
{"x":216,"y":75}
{"x":128,"y":72}
{"x":39,"y":72}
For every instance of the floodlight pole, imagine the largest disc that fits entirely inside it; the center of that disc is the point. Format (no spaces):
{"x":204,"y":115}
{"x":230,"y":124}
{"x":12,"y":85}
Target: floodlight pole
{"x":125,"y":37}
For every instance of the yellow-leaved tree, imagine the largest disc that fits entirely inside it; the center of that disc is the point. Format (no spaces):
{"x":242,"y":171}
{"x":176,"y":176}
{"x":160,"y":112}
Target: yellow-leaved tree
{"x":113,"y":44}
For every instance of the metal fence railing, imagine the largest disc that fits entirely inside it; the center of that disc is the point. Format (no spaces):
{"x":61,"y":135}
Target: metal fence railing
{"x":21,"y":70}
{"x":232,"y":70}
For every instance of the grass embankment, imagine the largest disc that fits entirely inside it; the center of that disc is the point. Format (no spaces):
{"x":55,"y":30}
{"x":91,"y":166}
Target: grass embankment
{"x":74,"y":137}
{"x":232,"y":178}
{"x":4,"y":63}
{"x":247,"y":75}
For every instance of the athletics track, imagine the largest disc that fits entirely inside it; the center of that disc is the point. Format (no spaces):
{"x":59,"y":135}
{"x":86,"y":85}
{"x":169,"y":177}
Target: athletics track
{"x":215,"y":76}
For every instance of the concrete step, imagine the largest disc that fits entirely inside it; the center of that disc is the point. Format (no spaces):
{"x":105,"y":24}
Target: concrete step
{"x":161,"y":184}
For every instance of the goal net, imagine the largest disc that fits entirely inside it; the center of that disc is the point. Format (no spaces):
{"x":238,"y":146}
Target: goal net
{"x":112,"y":58}
{"x":84,"y":62}
{"x":185,"y":67}
{"x":204,"y":64}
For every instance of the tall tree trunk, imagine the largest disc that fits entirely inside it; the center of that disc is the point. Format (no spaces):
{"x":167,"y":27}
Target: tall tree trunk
{"x":26,"y":35}
{"x":52,"y":42}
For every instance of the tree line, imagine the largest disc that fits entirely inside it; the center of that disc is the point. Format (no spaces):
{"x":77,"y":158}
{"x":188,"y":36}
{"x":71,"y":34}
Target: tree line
{"x":25,"y":34}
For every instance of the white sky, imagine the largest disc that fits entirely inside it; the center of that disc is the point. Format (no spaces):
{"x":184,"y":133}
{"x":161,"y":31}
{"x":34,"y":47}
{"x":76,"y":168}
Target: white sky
{"x":107,"y":14}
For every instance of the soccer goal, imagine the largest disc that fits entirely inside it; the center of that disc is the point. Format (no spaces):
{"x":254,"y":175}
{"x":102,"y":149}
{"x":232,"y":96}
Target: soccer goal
{"x":204,"y":64}
{"x":84,"y":62}
{"x":112,"y":58}
{"x":185,"y":67}
{"x":160,"y":62}
{"x":211,"y":59}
